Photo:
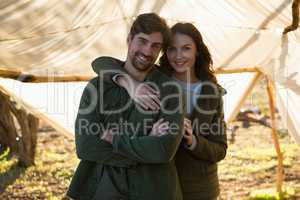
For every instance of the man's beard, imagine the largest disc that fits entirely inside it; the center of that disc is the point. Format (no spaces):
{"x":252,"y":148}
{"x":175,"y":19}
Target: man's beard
{"x":142,"y":62}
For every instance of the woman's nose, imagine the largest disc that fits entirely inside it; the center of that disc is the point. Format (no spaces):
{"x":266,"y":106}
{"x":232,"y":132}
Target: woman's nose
{"x":178,"y":54}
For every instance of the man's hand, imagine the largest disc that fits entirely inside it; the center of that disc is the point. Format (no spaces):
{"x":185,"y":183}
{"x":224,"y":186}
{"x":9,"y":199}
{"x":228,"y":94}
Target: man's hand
{"x":160,"y":128}
{"x":107,"y":136}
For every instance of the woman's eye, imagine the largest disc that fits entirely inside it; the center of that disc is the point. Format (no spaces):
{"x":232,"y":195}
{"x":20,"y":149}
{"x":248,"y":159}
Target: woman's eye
{"x":171,"y":49}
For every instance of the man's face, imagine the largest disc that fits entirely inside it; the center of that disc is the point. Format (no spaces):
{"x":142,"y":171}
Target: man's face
{"x":143,"y":49}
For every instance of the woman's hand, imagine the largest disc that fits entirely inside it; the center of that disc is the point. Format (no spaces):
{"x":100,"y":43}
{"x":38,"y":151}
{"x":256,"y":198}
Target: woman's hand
{"x":188,"y":132}
{"x":160,"y":128}
{"x":141,"y":93}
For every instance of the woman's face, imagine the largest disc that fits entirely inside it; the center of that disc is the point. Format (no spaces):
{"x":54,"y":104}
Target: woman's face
{"x":182,"y":53}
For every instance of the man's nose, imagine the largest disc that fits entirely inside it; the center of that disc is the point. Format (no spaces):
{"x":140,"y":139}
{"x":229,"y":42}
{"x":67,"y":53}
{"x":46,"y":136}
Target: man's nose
{"x":147,"y":50}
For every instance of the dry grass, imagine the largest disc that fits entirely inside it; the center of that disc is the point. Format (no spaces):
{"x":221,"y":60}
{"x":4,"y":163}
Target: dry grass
{"x":48,"y":179}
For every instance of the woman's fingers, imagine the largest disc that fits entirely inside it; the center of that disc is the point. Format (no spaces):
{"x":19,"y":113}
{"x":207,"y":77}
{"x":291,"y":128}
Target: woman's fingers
{"x":188,"y":127}
{"x":143,"y":94}
{"x":187,"y":123}
{"x":142,"y":104}
{"x":155,"y":100}
{"x":188,"y":132}
{"x":153,"y":103}
{"x":147,"y":96}
{"x":154,"y":95}
{"x":152,"y":91}
{"x":186,"y":120}
{"x":148,"y":102}
{"x":186,"y":136}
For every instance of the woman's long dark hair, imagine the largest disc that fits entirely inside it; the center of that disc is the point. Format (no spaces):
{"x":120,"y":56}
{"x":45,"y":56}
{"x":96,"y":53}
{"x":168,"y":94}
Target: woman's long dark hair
{"x":204,"y":62}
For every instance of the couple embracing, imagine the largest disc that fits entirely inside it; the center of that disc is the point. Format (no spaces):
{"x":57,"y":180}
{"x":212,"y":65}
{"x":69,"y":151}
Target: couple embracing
{"x":146,"y":131}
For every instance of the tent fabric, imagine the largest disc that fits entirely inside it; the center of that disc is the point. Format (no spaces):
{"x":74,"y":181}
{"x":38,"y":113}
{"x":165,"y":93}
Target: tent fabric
{"x":63,"y":37}
{"x":232,"y":83}
{"x":57,"y":101}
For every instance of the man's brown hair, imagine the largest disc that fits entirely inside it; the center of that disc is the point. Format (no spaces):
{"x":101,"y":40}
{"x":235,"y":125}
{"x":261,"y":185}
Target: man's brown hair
{"x":149,"y":23}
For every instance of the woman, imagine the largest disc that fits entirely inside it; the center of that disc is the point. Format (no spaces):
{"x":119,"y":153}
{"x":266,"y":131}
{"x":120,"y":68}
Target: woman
{"x":188,"y":61}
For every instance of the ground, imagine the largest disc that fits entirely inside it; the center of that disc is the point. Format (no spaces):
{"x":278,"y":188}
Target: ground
{"x":251,"y":162}
{"x":249,"y":167}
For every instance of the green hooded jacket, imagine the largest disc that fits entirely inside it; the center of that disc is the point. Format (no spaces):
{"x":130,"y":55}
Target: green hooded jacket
{"x":135,"y":166}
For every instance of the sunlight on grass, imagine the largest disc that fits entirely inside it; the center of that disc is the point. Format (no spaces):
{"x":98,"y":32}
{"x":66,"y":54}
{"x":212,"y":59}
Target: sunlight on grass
{"x":5,"y":165}
{"x":252,"y":159}
{"x":271,"y":194}
{"x":4,"y":154}
{"x":50,"y":176}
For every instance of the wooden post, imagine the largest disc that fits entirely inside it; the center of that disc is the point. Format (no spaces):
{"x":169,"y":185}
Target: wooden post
{"x":31,"y":78}
{"x":279,"y":181}
{"x":295,"y":13}
{"x":236,"y":70}
{"x":14,"y":116}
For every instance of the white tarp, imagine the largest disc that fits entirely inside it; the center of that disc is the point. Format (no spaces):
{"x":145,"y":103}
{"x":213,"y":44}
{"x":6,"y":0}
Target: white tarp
{"x":58,"y":101}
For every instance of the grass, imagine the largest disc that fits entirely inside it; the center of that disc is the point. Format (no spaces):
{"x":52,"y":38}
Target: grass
{"x":249,"y":169}
{"x":48,"y":178}
{"x":248,"y":172}
{"x":271,"y":194}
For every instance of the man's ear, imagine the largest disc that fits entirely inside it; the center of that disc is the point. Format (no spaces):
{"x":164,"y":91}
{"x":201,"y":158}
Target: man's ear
{"x":129,"y":38}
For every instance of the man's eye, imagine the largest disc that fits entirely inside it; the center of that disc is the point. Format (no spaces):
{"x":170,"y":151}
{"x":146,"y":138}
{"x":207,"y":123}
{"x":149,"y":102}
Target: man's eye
{"x":143,"y":41}
{"x":157,"y":46}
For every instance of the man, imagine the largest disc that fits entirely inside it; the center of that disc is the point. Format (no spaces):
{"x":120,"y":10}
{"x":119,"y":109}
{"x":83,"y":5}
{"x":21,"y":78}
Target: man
{"x":132,"y":163}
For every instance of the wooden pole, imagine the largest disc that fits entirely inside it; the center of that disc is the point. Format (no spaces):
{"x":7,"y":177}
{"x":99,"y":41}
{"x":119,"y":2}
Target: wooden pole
{"x":30,"y":78}
{"x":237,"y":70}
{"x":279,"y":181}
{"x":23,"y":77}
{"x":295,"y":13}
{"x":244,"y":97}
